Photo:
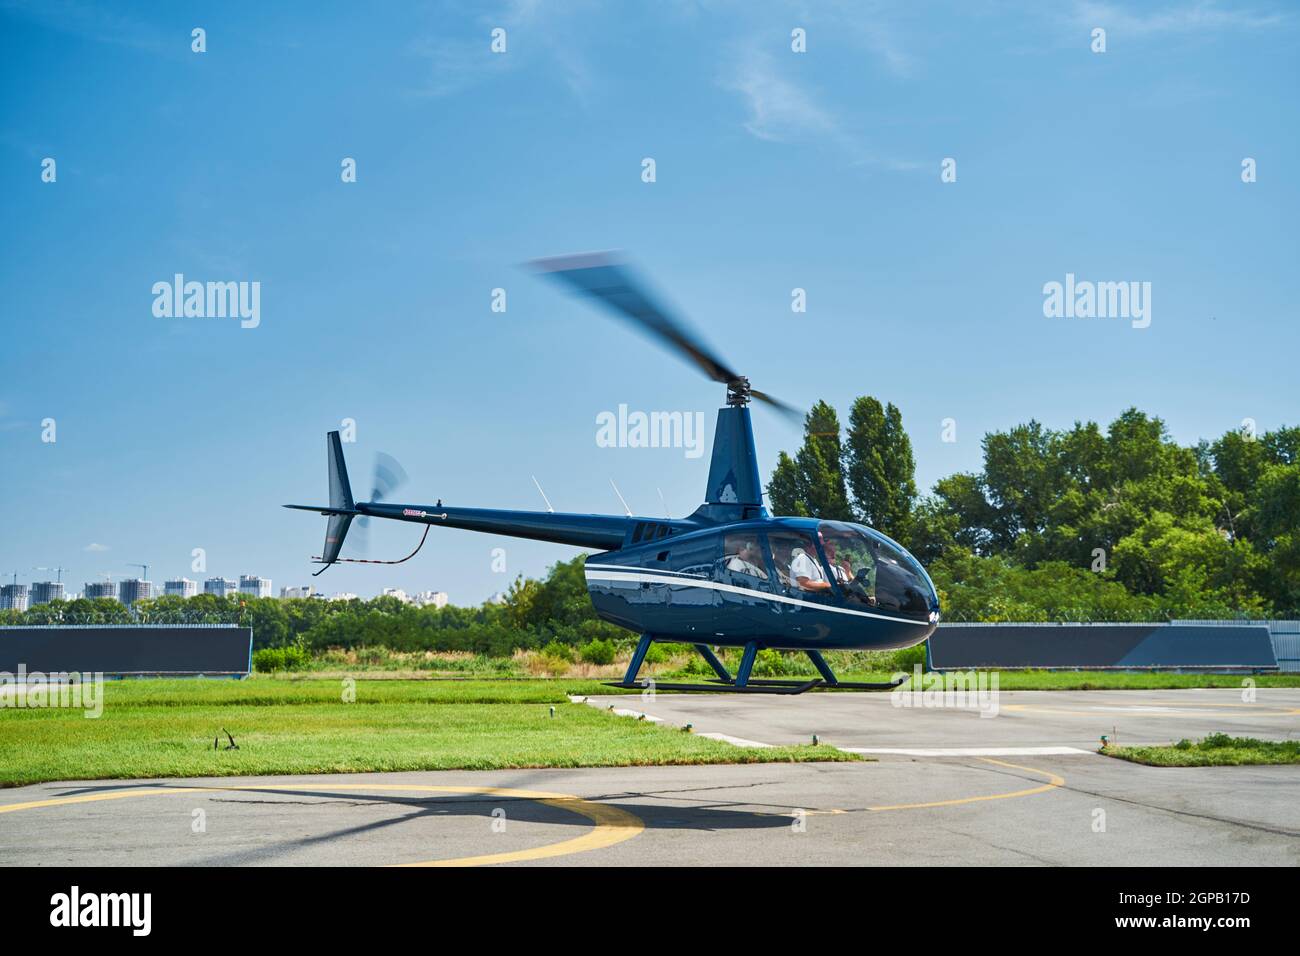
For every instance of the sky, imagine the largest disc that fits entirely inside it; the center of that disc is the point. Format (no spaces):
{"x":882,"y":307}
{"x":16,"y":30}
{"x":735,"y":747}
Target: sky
{"x":828,"y":170}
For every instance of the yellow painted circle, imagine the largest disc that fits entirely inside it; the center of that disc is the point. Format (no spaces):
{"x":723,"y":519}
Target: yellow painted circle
{"x":612,"y":824}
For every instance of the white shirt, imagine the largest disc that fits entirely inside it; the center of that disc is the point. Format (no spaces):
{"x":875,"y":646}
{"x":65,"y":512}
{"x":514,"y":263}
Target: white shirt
{"x":740,"y":565}
{"x":802,"y":566}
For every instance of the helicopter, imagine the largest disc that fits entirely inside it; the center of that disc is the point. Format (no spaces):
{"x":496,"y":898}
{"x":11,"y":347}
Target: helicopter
{"x":728,"y":575}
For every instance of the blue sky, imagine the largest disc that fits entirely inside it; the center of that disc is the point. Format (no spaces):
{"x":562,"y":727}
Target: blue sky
{"x":774,"y":170}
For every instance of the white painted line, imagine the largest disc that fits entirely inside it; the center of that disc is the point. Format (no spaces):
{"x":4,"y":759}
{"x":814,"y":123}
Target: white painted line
{"x":968,"y":751}
{"x":734,"y":741}
{"x":624,"y":712}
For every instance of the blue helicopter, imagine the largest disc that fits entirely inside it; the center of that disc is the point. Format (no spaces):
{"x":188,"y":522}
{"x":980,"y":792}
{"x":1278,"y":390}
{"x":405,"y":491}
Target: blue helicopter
{"x":728,"y":575}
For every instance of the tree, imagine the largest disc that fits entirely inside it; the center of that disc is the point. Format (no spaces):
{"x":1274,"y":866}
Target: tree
{"x":783,"y":490}
{"x":880,"y":467}
{"x":812,"y":483}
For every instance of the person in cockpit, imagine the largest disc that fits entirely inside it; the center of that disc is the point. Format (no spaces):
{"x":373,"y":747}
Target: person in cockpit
{"x":843,"y":571}
{"x":806,"y":571}
{"x":748,"y":560}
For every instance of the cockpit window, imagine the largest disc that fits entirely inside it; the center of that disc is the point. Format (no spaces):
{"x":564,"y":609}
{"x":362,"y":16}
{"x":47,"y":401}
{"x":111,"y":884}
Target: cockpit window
{"x":743,"y":564}
{"x":875,"y":572}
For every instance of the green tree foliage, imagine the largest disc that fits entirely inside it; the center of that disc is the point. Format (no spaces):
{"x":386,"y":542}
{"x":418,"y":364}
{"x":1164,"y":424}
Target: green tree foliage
{"x":1086,"y":518}
{"x":812,"y":483}
{"x":880,"y":468}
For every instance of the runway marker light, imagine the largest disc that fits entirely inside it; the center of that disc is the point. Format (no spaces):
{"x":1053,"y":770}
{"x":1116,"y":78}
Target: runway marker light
{"x":815,"y":740}
{"x":689,"y":728}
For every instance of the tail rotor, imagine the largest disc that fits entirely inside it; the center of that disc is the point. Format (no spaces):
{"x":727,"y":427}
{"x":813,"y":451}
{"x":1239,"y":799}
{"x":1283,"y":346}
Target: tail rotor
{"x":389,"y":476}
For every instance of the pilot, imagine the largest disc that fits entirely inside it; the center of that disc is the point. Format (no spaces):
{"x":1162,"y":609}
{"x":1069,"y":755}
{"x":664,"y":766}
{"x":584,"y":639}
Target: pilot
{"x":843,"y":572}
{"x":806,"y":572}
{"x":748,"y":560}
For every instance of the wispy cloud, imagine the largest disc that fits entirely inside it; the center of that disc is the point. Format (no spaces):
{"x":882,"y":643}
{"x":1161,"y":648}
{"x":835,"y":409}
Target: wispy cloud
{"x":96,"y":547}
{"x":779,"y":108}
{"x":1200,"y":16}
{"x":456,"y":64}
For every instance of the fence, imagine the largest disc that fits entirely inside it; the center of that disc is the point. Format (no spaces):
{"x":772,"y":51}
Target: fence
{"x":1232,"y":647}
{"x":128,"y":650}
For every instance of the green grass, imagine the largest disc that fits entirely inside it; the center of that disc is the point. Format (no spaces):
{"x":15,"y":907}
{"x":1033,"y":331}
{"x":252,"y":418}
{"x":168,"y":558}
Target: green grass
{"x":1216,"y":750}
{"x":165,"y":728}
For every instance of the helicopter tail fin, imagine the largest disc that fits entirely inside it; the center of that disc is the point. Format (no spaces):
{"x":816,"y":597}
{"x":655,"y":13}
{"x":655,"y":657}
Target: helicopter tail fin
{"x":340,"y":500}
{"x":342,"y":509}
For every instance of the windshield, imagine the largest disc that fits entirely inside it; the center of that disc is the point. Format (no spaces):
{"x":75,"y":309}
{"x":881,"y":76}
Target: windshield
{"x":873,"y":571}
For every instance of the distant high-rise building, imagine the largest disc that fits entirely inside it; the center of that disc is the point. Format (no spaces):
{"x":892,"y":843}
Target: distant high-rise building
{"x":220,"y":586}
{"x":100,"y":589}
{"x":43,"y":592}
{"x":343,"y":596}
{"x":181,"y":588}
{"x":436,"y":598}
{"x":133,"y":589}
{"x":254,"y":586}
{"x":396,"y":593}
{"x":13,"y":597}
{"x":306,"y":591}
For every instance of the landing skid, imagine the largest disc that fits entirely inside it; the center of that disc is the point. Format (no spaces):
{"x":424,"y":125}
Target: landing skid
{"x":753,"y":687}
{"x":742,"y":683}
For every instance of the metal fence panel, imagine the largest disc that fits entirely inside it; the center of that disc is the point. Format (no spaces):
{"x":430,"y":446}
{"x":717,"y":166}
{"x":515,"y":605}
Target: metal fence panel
{"x":128,"y":649}
{"x":1197,"y":647}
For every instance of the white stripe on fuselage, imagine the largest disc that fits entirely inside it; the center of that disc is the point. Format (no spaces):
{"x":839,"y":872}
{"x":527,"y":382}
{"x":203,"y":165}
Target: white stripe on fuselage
{"x":614,"y":572}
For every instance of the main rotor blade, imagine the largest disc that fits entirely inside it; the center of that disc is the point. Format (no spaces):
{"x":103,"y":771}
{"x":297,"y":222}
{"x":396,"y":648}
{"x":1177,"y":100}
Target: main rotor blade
{"x":788,"y":410}
{"x":609,"y":280}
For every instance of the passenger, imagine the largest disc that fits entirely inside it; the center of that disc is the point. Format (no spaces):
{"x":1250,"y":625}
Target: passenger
{"x":806,"y":571}
{"x":748,"y":560}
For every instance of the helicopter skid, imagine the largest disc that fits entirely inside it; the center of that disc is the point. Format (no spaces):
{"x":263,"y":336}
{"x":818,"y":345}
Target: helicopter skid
{"x":758,"y":686}
{"x":753,"y":687}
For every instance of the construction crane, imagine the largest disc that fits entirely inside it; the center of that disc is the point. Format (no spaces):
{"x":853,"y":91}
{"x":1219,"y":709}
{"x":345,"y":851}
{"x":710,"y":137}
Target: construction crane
{"x":59,"y":570}
{"x":142,"y":567}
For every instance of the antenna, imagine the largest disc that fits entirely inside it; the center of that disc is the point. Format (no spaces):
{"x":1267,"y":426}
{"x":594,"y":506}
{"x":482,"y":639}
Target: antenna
{"x":664,"y":503}
{"x":620,"y":497}
{"x":543,"y":494}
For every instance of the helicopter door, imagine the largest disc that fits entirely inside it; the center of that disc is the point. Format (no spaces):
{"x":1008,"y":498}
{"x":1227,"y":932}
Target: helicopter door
{"x":693,"y":606}
{"x":795,"y":556}
{"x":745,"y":570}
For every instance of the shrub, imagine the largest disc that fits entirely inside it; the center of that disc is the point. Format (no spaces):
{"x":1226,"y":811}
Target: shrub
{"x":657,"y":654}
{"x":558,"y":652}
{"x":290,"y":657}
{"x":598,"y":652}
